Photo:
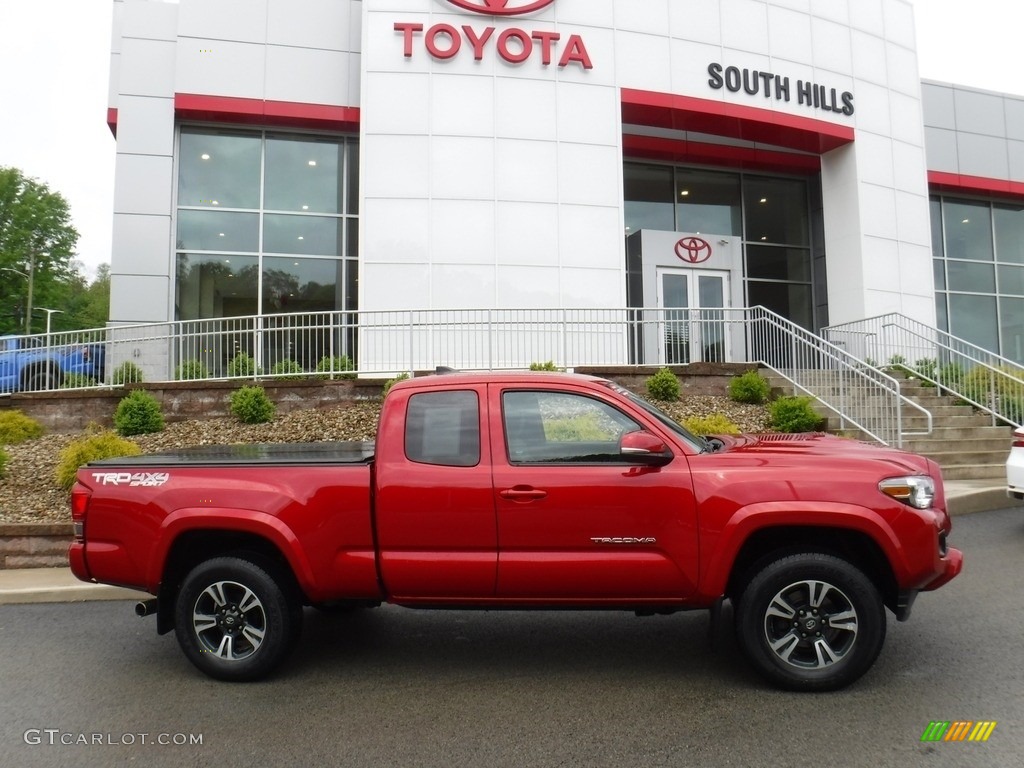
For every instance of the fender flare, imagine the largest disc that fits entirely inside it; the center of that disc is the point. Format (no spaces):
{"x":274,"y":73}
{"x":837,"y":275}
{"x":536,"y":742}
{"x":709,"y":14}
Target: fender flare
{"x":749,"y":520}
{"x":231,"y":520}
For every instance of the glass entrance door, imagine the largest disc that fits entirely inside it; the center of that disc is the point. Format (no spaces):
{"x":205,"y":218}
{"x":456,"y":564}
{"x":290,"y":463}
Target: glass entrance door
{"x":692,"y":326}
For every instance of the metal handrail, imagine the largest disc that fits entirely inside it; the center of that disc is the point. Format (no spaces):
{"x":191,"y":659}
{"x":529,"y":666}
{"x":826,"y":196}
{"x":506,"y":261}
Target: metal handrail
{"x":984,"y":379}
{"x":346,"y":344}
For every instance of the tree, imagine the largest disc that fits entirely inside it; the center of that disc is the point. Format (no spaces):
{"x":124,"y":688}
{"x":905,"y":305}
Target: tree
{"x":37,"y":244}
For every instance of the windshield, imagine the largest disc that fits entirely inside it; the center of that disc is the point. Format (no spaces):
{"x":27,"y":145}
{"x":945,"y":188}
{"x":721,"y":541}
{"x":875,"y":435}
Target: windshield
{"x":698,"y":443}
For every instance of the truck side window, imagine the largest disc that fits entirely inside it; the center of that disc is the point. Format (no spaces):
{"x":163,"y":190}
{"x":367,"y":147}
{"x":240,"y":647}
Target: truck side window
{"x":558,"y":427}
{"x":443,"y":428}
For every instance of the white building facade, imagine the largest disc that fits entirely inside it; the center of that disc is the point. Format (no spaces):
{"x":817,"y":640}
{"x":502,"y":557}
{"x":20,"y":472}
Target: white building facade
{"x":280,"y":156}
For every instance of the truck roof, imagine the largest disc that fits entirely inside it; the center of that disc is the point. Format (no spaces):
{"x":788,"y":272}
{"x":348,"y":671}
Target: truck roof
{"x":511,"y":377}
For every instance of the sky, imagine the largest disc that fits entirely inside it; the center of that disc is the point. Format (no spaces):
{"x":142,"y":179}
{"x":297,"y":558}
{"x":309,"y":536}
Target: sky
{"x":54,"y":77}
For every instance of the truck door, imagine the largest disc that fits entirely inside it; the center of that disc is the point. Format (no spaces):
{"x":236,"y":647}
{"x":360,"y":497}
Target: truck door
{"x":577,"y":520}
{"x":435,"y":518}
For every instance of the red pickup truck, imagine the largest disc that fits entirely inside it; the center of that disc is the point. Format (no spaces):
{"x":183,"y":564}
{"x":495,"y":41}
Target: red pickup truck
{"x":524,"y":491}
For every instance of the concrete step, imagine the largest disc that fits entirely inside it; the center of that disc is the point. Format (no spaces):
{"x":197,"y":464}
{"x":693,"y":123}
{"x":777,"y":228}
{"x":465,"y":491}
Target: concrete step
{"x":975,"y":472}
{"x":947,"y":458}
{"x":930,"y":445}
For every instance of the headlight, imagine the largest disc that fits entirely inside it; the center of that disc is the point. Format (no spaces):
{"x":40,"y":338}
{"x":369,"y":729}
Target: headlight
{"x":917,"y":490}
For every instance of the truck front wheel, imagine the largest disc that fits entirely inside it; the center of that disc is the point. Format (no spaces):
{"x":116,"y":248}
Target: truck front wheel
{"x":811,"y":622}
{"x":233,"y":620}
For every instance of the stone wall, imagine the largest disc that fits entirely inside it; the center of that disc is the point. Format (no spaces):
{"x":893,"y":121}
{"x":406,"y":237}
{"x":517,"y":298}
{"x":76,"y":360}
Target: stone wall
{"x":34,"y":545}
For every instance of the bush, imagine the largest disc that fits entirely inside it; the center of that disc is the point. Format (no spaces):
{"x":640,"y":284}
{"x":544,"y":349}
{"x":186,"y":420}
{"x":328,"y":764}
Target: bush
{"x":190,"y":370}
{"x":663,"y":386}
{"x":287,"y":369}
{"x":101,"y":445}
{"x":127,"y":373}
{"x":716,"y":424}
{"x":547,"y":366}
{"x":250,"y":405}
{"x":391,"y":382}
{"x":16,"y":427}
{"x":4,"y":458}
{"x":793,"y":414}
{"x":335,"y":365}
{"x":76,"y":381}
{"x":751,"y":387}
{"x":242,"y":365}
{"x":138,"y":414}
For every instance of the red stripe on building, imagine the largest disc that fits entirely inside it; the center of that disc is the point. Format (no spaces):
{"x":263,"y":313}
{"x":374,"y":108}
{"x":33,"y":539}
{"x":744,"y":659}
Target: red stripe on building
{"x":745,"y":158}
{"x":226,"y":109}
{"x":719,"y":118}
{"x":940,"y":181}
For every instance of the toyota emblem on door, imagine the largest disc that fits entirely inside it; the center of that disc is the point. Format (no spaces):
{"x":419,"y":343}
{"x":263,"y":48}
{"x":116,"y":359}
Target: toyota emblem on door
{"x":693,"y":250}
{"x":502,"y":7}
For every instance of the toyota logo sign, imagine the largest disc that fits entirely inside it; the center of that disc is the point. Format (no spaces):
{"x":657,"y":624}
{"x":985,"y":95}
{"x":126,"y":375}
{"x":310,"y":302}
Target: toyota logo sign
{"x":693,"y":250}
{"x":502,"y":7}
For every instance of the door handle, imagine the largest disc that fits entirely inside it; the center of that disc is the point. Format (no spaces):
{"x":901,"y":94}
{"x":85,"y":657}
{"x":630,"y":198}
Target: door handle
{"x":522,"y":494}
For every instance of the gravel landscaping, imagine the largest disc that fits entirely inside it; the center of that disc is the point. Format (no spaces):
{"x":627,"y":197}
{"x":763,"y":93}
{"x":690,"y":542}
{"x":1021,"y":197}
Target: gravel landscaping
{"x":29,"y":493}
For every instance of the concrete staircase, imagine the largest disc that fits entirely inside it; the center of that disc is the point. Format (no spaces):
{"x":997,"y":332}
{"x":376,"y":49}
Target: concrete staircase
{"x":963,"y":442}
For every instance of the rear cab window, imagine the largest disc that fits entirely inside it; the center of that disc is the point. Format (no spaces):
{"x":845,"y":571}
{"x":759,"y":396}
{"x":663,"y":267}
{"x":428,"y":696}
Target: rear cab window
{"x":443,"y":428}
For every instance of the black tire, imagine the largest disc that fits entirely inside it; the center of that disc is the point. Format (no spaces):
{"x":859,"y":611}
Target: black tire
{"x":234,"y":620}
{"x":42,"y":380}
{"x":811,"y":622}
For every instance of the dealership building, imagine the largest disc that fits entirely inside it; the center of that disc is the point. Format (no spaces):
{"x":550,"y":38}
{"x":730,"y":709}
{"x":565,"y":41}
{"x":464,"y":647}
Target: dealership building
{"x":301,"y":156}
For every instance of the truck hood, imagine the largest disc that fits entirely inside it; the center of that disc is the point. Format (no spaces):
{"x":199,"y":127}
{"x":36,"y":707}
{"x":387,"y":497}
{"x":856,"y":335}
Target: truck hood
{"x":808,"y":445}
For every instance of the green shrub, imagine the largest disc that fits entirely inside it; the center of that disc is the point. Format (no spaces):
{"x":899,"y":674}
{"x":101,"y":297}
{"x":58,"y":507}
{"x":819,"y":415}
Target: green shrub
{"x":127,"y":373}
{"x":793,"y":414}
{"x":715,"y":424}
{"x":287,"y":369}
{"x":663,"y":386}
{"x":250,"y":405}
{"x":897,"y":361}
{"x":332,"y":366}
{"x":585,"y":427}
{"x":4,"y":458}
{"x":138,"y":414}
{"x":751,"y":387}
{"x":191,"y":370}
{"x":546,"y":366}
{"x":77,"y":381}
{"x":391,"y":382}
{"x":16,"y":427}
{"x":101,"y":445}
{"x":242,"y":365}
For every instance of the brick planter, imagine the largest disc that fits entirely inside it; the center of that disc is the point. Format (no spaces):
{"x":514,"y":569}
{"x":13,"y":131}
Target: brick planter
{"x":34,"y":545}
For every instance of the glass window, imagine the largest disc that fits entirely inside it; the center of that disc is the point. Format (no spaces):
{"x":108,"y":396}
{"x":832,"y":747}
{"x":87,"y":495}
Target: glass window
{"x":215,"y":286}
{"x":218,"y":231}
{"x":219,"y":169}
{"x":971,"y":277}
{"x":1011,"y":280}
{"x":543,"y":427}
{"x":1011,"y":320}
{"x":939,"y":270}
{"x":935,"y":208}
{"x":968,"y":231}
{"x":443,"y":428}
{"x":304,"y":175}
{"x":708,"y":202}
{"x":648,"y":197}
{"x":776,"y":211}
{"x":973,"y":318}
{"x":352,"y":173}
{"x":773,"y":263}
{"x":1009,"y":224}
{"x":311,"y":235}
{"x":792,"y":301}
{"x":301,"y":285}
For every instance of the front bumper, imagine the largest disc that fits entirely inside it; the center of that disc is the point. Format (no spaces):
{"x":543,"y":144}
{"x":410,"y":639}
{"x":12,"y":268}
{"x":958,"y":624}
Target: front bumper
{"x":952,"y":563}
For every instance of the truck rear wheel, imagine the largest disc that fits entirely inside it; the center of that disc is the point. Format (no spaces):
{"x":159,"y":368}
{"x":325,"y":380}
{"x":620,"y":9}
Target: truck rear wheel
{"x":234,"y":620}
{"x":811,"y":622}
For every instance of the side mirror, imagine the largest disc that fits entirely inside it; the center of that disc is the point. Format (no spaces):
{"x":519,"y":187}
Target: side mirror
{"x":644,"y":448}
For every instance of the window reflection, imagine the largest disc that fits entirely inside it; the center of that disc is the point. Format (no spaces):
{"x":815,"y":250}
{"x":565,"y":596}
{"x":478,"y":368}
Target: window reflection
{"x":302,"y":285}
{"x":304,"y":175}
{"x":215,"y":286}
{"x":218,"y":231}
{"x":312,"y":235}
{"x":708,"y":202}
{"x":218,"y":169}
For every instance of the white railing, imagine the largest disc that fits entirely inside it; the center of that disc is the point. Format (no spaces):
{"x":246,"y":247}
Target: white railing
{"x":383,"y":344}
{"x":986,"y":380}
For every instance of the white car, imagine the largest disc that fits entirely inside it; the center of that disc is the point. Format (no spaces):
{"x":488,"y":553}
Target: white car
{"x":1015,"y":466}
